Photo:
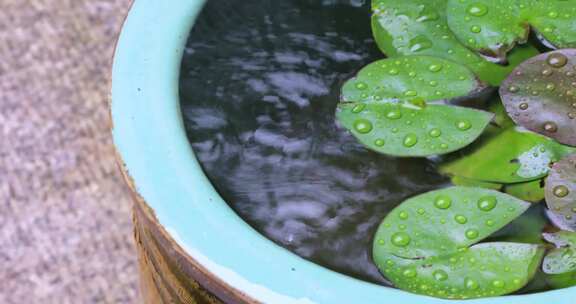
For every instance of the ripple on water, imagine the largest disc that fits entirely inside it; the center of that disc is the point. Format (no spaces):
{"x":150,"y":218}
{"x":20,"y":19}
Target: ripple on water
{"x":259,"y":89}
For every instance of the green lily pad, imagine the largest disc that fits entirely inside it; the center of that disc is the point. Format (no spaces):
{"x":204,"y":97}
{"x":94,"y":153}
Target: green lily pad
{"x":501,"y":118}
{"x":404,"y":130}
{"x":541,"y":95}
{"x":527,"y":228}
{"x":509,"y":156}
{"x":414,"y":79}
{"x":493,"y":27}
{"x":562,"y":259}
{"x":428,"y":245}
{"x":558,"y":281}
{"x":467,"y":182}
{"x":420,"y":27}
{"x":561,"y":192}
{"x":385,"y":106}
{"x":532,"y":191}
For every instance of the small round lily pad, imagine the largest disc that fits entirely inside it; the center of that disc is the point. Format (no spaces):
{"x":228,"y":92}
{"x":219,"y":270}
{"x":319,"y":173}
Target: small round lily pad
{"x":562,"y":259}
{"x":419,"y":27}
{"x":404,"y":130}
{"x":428,"y":245}
{"x":493,"y":27}
{"x":541,"y":95}
{"x":414,"y":79}
{"x":508,"y":156}
{"x":561,"y":191}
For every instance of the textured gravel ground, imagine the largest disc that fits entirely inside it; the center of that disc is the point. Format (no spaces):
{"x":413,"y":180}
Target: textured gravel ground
{"x":65,"y":223}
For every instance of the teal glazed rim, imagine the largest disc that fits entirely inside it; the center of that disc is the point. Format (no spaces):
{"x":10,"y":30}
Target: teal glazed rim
{"x":150,"y":138}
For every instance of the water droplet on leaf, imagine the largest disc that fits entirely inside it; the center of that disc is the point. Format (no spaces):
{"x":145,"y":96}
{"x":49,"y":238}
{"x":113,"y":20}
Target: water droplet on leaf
{"x":498,"y":283}
{"x":435,"y":68}
{"x":443,"y":202}
{"x":420,"y":43}
{"x":410,"y":93}
{"x":463,"y":125}
{"x":561,"y":191}
{"x":477,"y":9}
{"x":363,"y":126}
{"x":409,"y":273}
{"x":435,"y":133}
{"x":487,"y":203}
{"x":460,"y":219}
{"x":440,"y":275}
{"x":476,"y":29}
{"x":557,"y":60}
{"x":358,"y":108}
{"x":471,"y":234}
{"x":410,"y":140}
{"x":394,"y":114}
{"x":470,"y":284}
{"x":550,"y":127}
{"x":401,"y":239}
{"x":361,"y":86}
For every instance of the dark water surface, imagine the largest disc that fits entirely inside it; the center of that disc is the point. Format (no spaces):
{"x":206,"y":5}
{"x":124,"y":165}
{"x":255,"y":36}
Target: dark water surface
{"x":259,"y":88}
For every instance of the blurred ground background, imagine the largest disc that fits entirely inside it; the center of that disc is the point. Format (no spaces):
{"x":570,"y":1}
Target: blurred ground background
{"x":65,"y":223}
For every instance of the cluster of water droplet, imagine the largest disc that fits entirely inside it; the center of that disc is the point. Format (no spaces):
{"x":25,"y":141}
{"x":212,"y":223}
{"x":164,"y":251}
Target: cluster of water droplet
{"x":497,"y":25}
{"x":544,"y":87}
{"x":556,"y":82}
{"x":560,"y":182}
{"x":400,"y":20}
{"x":475,"y":10}
{"x":380,"y":81}
{"x":487,"y":203}
{"x":396,"y":117}
{"x":432,"y":275}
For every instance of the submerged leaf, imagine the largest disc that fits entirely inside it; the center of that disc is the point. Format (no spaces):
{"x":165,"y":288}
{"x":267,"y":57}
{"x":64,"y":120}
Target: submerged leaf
{"x":402,"y":130}
{"x":427,"y":245}
{"x":493,"y":27}
{"x":562,"y":259}
{"x":558,"y":281}
{"x":419,"y":27}
{"x":532,"y":191}
{"x":527,"y":228}
{"x":501,"y":118}
{"x":561,"y":192}
{"x":467,"y":182}
{"x":510,"y":156}
{"x":414,"y":79}
{"x":541,"y":95}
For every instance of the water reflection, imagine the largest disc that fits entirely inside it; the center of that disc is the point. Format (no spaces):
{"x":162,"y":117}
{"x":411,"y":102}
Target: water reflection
{"x":259,"y":89}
